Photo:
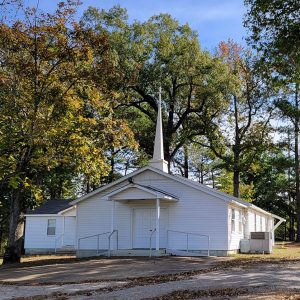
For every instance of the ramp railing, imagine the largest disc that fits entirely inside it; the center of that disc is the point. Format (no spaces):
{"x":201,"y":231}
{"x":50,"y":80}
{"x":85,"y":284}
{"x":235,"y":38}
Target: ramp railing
{"x":106,"y":249}
{"x":187,"y":236}
{"x":114,"y":232}
{"x":150,"y":242}
{"x":97,"y":236}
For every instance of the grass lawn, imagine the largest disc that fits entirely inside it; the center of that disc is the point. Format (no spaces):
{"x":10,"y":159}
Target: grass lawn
{"x":284,"y":250}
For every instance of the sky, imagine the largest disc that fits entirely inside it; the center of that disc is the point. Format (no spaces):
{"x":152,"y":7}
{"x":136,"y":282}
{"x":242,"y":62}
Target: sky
{"x":214,"y":20}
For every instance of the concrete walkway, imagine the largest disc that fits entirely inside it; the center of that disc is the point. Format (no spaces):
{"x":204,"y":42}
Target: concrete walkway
{"x":106,"y":269}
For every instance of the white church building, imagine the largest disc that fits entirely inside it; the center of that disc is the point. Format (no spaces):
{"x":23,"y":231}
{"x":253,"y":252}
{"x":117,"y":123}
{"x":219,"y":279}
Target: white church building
{"x":150,"y":212}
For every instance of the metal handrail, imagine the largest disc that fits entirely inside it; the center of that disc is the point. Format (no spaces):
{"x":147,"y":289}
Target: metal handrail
{"x":57,"y":239}
{"x":150,"y":242}
{"x":109,"y":240}
{"x":90,"y":236}
{"x":187,"y":239}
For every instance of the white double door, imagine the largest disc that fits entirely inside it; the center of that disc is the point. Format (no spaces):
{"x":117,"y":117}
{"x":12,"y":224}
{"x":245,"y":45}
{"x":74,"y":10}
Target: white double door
{"x":144,"y":223}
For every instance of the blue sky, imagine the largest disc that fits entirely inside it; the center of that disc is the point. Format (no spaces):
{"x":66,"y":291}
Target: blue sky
{"x":215,"y":20}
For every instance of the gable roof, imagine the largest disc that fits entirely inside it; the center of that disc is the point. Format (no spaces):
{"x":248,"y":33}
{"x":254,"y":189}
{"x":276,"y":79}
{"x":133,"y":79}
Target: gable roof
{"x":149,"y":190}
{"x":50,"y":207}
{"x":221,"y":195}
{"x":183,"y":180}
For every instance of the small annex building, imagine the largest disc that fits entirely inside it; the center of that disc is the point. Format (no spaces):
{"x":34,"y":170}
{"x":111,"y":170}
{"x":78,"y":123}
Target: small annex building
{"x":50,"y":227}
{"x":149,"y":212}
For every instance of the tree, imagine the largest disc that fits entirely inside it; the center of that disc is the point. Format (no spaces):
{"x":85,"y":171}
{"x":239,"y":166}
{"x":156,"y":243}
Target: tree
{"x":274,"y":185}
{"x":55,"y":109}
{"x":274,"y":27}
{"x":161,"y":52}
{"x":241,"y":132}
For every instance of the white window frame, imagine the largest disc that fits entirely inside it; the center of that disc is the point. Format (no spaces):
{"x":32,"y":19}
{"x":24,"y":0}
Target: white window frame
{"x":241,"y":215}
{"x":51,"y":230}
{"x":233,"y":220}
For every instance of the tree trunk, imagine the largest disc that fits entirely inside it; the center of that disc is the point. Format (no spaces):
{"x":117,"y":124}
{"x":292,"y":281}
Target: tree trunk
{"x":186,"y":162}
{"x":236,"y":151}
{"x":213,"y":178}
{"x":292,"y":225}
{"x":167,"y":155}
{"x":112,"y":167}
{"x":201,"y":174}
{"x":236,"y":184}
{"x":88,"y":185}
{"x":236,"y":171}
{"x":16,"y":229}
{"x":297,"y":175}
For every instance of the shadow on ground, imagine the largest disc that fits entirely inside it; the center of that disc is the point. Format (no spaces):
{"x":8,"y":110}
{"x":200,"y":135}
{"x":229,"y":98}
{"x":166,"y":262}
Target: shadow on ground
{"x":106,"y":269}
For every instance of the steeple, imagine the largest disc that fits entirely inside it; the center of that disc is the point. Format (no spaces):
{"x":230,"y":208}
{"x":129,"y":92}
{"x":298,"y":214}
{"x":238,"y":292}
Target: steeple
{"x":158,"y":154}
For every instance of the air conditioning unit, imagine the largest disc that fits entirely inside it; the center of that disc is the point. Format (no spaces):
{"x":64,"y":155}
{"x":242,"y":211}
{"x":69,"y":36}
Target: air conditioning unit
{"x":245,"y":246}
{"x":260,"y":242}
{"x":260,"y":235}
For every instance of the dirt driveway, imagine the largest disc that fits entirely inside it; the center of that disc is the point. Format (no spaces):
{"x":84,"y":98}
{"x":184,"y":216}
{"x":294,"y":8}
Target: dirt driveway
{"x":137,"y":279}
{"x":106,"y":269}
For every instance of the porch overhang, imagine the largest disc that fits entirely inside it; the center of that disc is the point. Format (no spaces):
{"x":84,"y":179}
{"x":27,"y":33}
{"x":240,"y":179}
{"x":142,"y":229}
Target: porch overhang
{"x":137,"y":192}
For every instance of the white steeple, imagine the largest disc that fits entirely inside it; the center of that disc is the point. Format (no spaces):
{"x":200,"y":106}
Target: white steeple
{"x":158,"y":154}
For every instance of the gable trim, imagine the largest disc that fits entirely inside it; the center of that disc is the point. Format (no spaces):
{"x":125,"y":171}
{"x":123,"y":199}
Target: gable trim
{"x":156,"y":194}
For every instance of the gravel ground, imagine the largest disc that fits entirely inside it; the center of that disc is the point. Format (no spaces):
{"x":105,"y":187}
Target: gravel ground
{"x":259,"y":281}
{"x":12,"y":291}
{"x":285,"y":276}
{"x":104,"y":269}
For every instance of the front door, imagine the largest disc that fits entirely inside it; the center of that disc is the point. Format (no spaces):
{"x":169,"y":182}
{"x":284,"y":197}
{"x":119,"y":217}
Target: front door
{"x":144,"y":222}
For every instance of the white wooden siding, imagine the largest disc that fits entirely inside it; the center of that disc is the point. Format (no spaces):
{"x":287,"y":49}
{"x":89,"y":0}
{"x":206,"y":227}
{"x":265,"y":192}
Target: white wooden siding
{"x":234,"y":234}
{"x":69,"y":231}
{"x":36,"y":232}
{"x":195,"y":212}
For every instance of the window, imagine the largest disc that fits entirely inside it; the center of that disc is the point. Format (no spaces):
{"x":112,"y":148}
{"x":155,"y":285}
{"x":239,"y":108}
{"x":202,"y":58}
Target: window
{"x":232,"y":220}
{"x":51,"y":227}
{"x":240,"y":221}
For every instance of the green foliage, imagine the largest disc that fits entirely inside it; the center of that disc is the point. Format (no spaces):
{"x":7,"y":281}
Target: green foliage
{"x":57,"y":120}
{"x":161,"y":52}
{"x":242,"y":130}
{"x":224,"y":183}
{"x":274,"y":27}
{"x":274,"y":186}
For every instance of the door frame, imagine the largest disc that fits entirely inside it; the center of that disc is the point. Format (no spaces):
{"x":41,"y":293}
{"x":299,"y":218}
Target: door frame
{"x":133,"y":208}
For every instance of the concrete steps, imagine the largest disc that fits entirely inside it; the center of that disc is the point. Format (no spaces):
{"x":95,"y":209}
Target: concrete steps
{"x":186,"y":253}
{"x":67,"y":249}
{"x":138,"y":252}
